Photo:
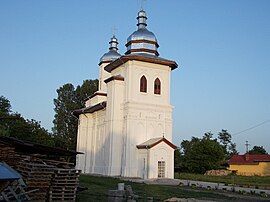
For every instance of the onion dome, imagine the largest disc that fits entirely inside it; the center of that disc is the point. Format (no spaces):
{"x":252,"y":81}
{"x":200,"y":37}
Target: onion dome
{"x":142,"y":40}
{"x":112,"y":54}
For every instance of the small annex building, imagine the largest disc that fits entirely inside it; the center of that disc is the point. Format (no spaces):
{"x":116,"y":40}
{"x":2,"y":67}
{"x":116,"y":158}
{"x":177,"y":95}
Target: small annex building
{"x":125,"y":128}
{"x":250,"y":164}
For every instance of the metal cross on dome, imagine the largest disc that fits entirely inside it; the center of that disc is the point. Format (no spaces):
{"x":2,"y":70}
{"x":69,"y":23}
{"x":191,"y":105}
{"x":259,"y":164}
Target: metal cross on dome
{"x":142,"y":3}
{"x":114,"y":29}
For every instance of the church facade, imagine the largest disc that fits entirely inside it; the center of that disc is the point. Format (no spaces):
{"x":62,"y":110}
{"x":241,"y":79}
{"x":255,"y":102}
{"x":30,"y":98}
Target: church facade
{"x":125,"y":128}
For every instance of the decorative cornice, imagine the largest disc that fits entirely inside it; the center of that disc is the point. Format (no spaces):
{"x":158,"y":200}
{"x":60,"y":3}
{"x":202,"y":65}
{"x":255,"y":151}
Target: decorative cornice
{"x":123,"y":59}
{"x":118,"y":77}
{"x":90,"y":109}
{"x":107,"y":61}
{"x":95,"y":94}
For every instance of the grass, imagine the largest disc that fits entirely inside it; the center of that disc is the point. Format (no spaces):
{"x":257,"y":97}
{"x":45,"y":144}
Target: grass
{"x":252,"y":181}
{"x":99,"y":186}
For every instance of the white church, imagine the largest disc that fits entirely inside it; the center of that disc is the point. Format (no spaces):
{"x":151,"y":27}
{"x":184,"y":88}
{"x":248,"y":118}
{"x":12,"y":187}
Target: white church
{"x":125,"y":128}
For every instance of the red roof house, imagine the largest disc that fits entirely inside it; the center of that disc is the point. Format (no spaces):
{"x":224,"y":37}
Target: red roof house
{"x":250,"y":164}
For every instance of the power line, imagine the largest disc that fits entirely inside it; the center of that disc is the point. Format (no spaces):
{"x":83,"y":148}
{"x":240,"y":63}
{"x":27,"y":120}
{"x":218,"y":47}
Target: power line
{"x":255,"y":126}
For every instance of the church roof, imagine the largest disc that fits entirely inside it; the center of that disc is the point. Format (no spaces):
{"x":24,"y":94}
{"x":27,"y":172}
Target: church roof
{"x":90,"y":109}
{"x":140,"y":57}
{"x":155,"y":141}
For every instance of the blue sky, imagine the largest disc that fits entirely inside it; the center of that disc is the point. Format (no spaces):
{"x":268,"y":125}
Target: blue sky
{"x":222,"y":47}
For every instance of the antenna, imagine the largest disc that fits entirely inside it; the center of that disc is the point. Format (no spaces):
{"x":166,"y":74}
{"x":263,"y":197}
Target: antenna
{"x":247,"y":150}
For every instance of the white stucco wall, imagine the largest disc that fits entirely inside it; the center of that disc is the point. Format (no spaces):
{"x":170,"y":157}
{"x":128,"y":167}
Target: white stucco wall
{"x":109,"y":137}
{"x":148,"y":161}
{"x":95,"y":100}
{"x":103,"y":75}
{"x":114,"y":120}
{"x":161,"y":152}
{"x":134,"y":70}
{"x":142,"y":163}
{"x":92,"y":141}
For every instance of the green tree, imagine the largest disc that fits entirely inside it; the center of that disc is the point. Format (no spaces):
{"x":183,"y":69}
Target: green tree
{"x":208,"y":135}
{"x":69,"y":99}
{"x":88,"y":88}
{"x":257,"y":150}
{"x":229,"y":147}
{"x":5,"y":107}
{"x":65,"y":124}
{"x":14,"y":125}
{"x":200,"y":155}
{"x":177,"y":159}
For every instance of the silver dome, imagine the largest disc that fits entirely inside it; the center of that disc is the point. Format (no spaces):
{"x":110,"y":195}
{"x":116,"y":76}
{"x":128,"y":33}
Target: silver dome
{"x":142,"y":34}
{"x":112,"y":54}
{"x":142,"y":40}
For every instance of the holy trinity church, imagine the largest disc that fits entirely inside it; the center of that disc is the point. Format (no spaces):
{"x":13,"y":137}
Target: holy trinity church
{"x":125,"y":128}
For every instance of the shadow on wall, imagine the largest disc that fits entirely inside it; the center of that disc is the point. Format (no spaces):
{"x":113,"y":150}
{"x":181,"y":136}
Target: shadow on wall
{"x":97,"y":154}
{"x":125,"y":162}
{"x":95,"y":143}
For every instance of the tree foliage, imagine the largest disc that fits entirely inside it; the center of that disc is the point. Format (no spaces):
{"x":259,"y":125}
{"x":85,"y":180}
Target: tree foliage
{"x":69,"y":99}
{"x":201,"y":154}
{"x":87,"y":88}
{"x":65,"y":126}
{"x":257,"y":150}
{"x":14,"y":125}
{"x":178,"y":160}
{"x":5,"y":107}
{"x":229,"y":147}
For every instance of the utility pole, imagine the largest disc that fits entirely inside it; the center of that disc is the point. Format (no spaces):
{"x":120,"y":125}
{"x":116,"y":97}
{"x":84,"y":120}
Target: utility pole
{"x":247,"y":144}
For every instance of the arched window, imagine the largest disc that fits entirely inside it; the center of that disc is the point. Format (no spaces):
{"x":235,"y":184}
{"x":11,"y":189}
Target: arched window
{"x":157,"y":86}
{"x":143,"y":84}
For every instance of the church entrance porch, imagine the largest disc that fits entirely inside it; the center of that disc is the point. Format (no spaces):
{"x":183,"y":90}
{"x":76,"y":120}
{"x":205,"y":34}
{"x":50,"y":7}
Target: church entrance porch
{"x":156,"y":159}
